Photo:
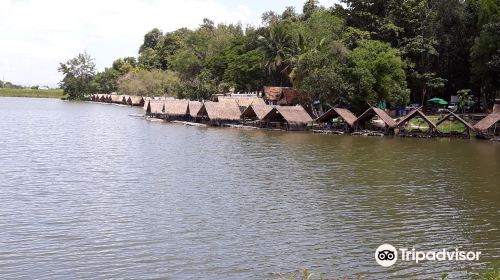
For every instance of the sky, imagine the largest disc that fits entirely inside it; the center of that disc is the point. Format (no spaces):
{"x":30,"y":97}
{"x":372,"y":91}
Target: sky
{"x":35,"y":35}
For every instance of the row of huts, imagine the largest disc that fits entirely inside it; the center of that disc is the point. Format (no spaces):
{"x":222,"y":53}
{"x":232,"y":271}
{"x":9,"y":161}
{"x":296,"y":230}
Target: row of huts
{"x":231,"y":111}
{"x":118,"y":99}
{"x":414,"y":124}
{"x":254,"y":112}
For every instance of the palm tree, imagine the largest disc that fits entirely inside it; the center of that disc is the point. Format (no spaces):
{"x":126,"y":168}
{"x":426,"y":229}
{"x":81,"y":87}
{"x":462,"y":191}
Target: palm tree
{"x":279,"y":50}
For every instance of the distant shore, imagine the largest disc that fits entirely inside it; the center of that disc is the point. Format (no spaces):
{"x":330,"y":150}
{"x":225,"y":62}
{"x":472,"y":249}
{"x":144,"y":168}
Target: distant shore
{"x":22,"y":92}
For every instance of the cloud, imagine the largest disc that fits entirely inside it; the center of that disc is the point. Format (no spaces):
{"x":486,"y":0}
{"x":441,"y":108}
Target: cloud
{"x":36,"y":35}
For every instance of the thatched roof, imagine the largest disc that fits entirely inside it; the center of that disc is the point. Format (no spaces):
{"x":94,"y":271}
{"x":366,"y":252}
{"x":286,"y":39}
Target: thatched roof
{"x":345,"y":114}
{"x":220,"y":111}
{"x":176,"y":107}
{"x":194,"y":107}
{"x":374,"y":111}
{"x":136,"y":100}
{"x":486,"y":123}
{"x":242,"y":101}
{"x":292,"y":114}
{"x":451,"y":114}
{"x":256,"y":111}
{"x":282,"y":95}
{"x":413,"y":114}
{"x":157,"y":106}
{"x":116,"y":98}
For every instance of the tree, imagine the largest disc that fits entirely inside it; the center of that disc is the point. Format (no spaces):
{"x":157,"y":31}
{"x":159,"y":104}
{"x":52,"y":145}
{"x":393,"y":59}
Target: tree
{"x":149,"y":83}
{"x":107,"y":81}
{"x":151,"y":40}
{"x":310,"y":6}
{"x":278,"y":48}
{"x":485,"y":59}
{"x":1,"y":84}
{"x":78,"y":74}
{"x":377,"y":74}
{"x":465,"y":99}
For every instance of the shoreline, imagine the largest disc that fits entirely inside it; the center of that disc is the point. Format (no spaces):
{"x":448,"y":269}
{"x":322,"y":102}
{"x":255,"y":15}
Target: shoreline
{"x":32,"y":93}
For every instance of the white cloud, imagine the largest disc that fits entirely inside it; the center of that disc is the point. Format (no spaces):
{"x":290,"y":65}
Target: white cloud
{"x":36,"y":35}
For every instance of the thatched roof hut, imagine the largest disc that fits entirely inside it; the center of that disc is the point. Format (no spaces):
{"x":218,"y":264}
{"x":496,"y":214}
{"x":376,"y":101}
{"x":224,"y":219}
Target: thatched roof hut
{"x":136,"y":100}
{"x":450,"y":115}
{"x":193,"y":108}
{"x":102,"y":98}
{"x":415,"y":114}
{"x":176,"y":107}
{"x":280,"y":95}
{"x":256,"y":112}
{"x":292,"y":116}
{"x":488,"y":122}
{"x":344,"y":114}
{"x":156,"y":107}
{"x":216,"y":111}
{"x":372,"y":112}
{"x":116,"y":98}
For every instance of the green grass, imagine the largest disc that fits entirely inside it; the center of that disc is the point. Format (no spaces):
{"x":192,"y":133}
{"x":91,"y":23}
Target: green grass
{"x":15,"y":92}
{"x":446,"y":127}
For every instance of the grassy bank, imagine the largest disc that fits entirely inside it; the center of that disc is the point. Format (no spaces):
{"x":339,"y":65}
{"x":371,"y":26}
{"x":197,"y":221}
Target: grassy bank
{"x":15,"y":92}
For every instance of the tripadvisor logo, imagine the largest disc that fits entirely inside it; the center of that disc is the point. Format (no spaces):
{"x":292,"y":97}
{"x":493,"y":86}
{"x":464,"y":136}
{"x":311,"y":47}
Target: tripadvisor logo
{"x":386,"y":255}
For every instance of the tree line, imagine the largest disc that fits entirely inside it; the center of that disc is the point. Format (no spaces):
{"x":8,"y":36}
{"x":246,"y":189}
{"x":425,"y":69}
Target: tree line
{"x":387,"y":52}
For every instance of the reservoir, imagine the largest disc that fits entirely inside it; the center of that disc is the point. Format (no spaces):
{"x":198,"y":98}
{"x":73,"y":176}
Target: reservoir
{"x":90,"y":192}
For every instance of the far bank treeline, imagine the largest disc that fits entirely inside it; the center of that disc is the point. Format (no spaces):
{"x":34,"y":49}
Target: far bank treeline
{"x":372,"y":51}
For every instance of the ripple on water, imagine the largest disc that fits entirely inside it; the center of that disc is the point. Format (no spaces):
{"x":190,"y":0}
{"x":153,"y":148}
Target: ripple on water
{"x":88,"y":192}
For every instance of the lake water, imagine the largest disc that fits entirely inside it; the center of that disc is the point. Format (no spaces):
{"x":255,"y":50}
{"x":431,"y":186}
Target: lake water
{"x":89,"y":192}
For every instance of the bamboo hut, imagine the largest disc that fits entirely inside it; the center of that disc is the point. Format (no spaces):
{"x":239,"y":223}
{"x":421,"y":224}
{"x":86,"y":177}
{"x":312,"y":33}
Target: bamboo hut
{"x":454,"y":117}
{"x":415,"y":130}
{"x":280,"y":95}
{"x":176,"y":110}
{"x":156,"y":108}
{"x":287,"y":118}
{"x":102,"y":98}
{"x":488,"y":127}
{"x":193,"y":110}
{"x":136,"y":100}
{"x":375,"y":119}
{"x":116,"y":98}
{"x":337,"y":119}
{"x":254,"y":114}
{"x":216,"y":113}
{"x":126,"y":100}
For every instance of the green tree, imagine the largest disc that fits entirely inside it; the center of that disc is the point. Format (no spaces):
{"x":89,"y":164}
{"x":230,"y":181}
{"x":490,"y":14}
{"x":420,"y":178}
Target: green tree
{"x":149,"y":83}
{"x":377,"y":75}
{"x":78,"y":74}
{"x":107,"y":81}
{"x":279,"y":49}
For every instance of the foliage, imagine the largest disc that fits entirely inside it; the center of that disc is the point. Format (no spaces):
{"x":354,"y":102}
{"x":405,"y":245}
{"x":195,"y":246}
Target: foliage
{"x":107,"y":81}
{"x":149,"y":83}
{"x":377,"y":72}
{"x":78,"y":74}
{"x":465,"y":99}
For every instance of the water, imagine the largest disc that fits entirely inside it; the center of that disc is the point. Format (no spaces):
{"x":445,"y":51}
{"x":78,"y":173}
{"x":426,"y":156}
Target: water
{"x":89,"y":192}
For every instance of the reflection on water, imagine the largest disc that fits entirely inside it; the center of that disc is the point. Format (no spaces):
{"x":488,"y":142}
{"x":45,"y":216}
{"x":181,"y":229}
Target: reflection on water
{"x":89,"y":192}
